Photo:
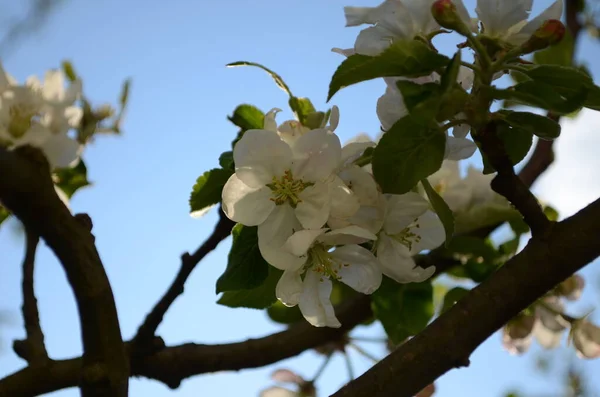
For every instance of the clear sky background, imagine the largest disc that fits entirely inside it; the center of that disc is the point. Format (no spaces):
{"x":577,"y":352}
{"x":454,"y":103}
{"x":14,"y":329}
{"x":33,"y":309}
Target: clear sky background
{"x":175,"y":129}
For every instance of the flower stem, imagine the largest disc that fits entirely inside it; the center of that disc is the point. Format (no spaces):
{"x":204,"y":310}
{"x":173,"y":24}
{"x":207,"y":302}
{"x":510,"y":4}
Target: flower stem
{"x":363,"y":352}
{"x":349,"y":365}
{"x":322,"y":367}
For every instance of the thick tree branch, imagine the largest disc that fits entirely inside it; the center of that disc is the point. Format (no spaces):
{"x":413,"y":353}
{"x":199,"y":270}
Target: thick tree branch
{"x":147,"y":330}
{"x":28,"y":191}
{"x":32,"y":348}
{"x":508,"y":184}
{"x":171,"y":365}
{"x":447,"y":343}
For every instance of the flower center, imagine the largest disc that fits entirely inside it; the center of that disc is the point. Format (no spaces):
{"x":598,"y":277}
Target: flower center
{"x":321,"y":261}
{"x":407,"y":236}
{"x":287,"y":189}
{"x":21,"y":116}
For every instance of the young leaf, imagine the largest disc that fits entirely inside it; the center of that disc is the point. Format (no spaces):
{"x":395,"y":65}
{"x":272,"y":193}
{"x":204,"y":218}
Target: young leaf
{"x":277,"y":78}
{"x":248,"y":117}
{"x":69,"y":180}
{"x":544,"y":96}
{"x":450,"y":75}
{"x":517,"y":143}
{"x":407,"y":153}
{"x":208,"y":188}
{"x":403,"y":309}
{"x":453,"y":296}
{"x":124,"y":97}
{"x":541,"y":126}
{"x":421,"y":100}
{"x":246,"y":268}
{"x":441,"y":208}
{"x":226,"y":160}
{"x":257,"y":298}
{"x":69,"y":71}
{"x":409,"y":58}
{"x":301,"y":107}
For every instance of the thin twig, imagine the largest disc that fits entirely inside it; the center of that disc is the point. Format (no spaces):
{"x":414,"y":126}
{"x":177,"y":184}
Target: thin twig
{"x":147,"y":330}
{"x":32,"y":348}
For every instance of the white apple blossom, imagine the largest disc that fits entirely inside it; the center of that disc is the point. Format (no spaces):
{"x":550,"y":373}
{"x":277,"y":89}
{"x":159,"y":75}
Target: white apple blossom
{"x":309,"y":286}
{"x":409,"y":228}
{"x":393,"y":20}
{"x":304,"y":387}
{"x":586,"y":339}
{"x":40,"y":115}
{"x":507,"y":20}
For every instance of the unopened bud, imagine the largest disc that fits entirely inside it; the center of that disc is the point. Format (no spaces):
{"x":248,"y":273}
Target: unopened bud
{"x":445,"y":13}
{"x":571,"y":288}
{"x":550,"y":33}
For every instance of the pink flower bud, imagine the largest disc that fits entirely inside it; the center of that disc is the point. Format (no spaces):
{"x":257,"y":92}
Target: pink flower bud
{"x":445,"y":13}
{"x":550,"y":33}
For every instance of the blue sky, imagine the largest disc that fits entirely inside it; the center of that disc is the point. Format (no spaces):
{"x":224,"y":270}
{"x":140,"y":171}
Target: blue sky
{"x":175,"y":129}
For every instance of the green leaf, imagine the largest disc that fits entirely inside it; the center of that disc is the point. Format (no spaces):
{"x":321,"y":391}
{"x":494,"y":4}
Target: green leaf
{"x":207,"y":190}
{"x":452,"y":103}
{"x":551,"y":213}
{"x":124,"y":97}
{"x":421,"y":100}
{"x":246,"y":268}
{"x":453,"y":296}
{"x":226,"y":160}
{"x":408,"y":58}
{"x":564,"y":78}
{"x":448,"y":80}
{"x":517,"y":143}
{"x":70,"y":180}
{"x":248,"y":117}
{"x":301,"y":107}
{"x":593,"y":98}
{"x":278,"y":80}
{"x":558,"y":54}
{"x":407,"y":153}
{"x":4,"y":214}
{"x":69,"y":71}
{"x":315,"y":120}
{"x":441,"y":208}
{"x":541,"y":126}
{"x":257,"y":298}
{"x":403,"y":309}
{"x":544,"y":96}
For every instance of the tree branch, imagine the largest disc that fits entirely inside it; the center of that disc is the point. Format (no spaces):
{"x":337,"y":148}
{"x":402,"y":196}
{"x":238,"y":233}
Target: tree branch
{"x":32,"y":348}
{"x":171,"y":365}
{"x":28,"y":191}
{"x":544,"y":263}
{"x":508,"y":184}
{"x":147,"y":330}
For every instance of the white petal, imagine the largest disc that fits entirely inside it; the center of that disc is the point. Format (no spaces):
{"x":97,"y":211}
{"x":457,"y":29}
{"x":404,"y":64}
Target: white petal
{"x":356,"y":16}
{"x":289,"y":287}
{"x":431,"y":231}
{"x":347,"y":235}
{"x":4,"y":80}
{"x":400,"y":22}
{"x":499,"y":15}
{"x":420,"y":11}
{"x":54,"y":85}
{"x":273,"y":234}
{"x":286,"y":376}
{"x":370,"y":217}
{"x":316,"y":155}
{"x":459,"y":148}
{"x":465,"y":77}
{"x":299,"y":242}
{"x":461,"y":130}
{"x":36,"y":136}
{"x":362,"y":184}
{"x":315,"y":303}
{"x":390,"y":108}
{"x":244,"y":204}
{"x":359,"y":268}
{"x":354,"y":150}
{"x":586,"y":338}
{"x":462,"y":12}
{"x":547,"y":338}
{"x":290,"y":131}
{"x":344,"y":51}
{"x":61,"y":150}
{"x":313,"y":209}
{"x":373,"y":41}
{"x":396,"y":262}
{"x":277,"y":391}
{"x":344,"y":203}
{"x":259,"y":156}
{"x":334,"y":118}
{"x":402,"y":210}
{"x":270,"y":124}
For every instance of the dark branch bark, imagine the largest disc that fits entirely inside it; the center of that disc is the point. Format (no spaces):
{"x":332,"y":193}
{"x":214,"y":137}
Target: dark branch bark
{"x":171,"y":365}
{"x":32,"y":348}
{"x":28,"y":191}
{"x":447,"y":343}
{"x":147,"y":330}
{"x":508,"y":184}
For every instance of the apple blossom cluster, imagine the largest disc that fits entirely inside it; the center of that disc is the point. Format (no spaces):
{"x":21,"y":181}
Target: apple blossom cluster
{"x":546,"y":322}
{"x":304,"y":387}
{"x":317,"y":211}
{"x":41,"y":114}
